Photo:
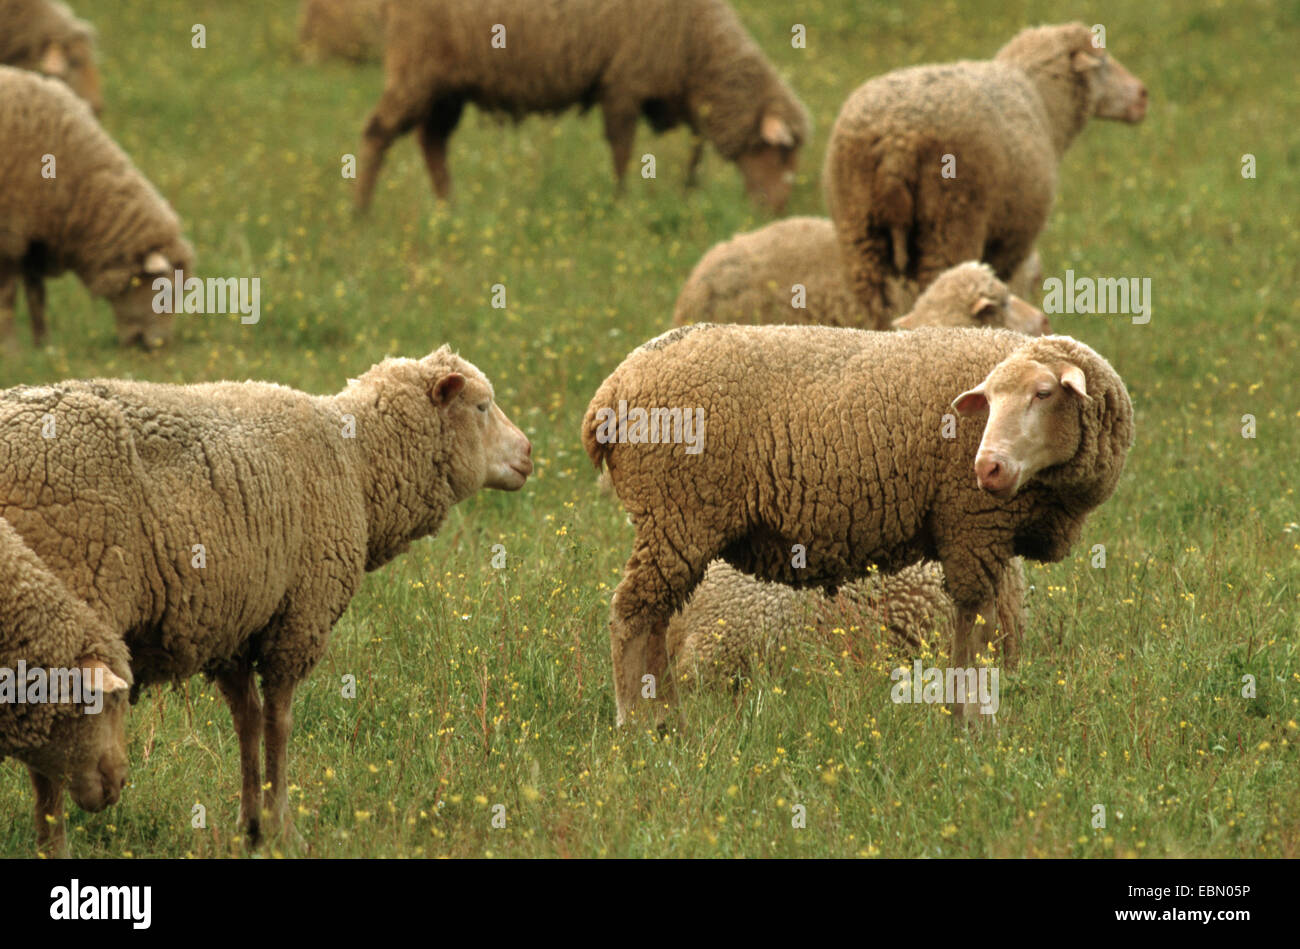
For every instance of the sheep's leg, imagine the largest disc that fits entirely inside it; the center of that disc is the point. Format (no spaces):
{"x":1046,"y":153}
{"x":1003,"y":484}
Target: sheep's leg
{"x":8,"y":304}
{"x":972,"y":629}
{"x":434,"y":132}
{"x":697,"y":153}
{"x":651,"y":589}
{"x":278,"y":698}
{"x":240,"y":693}
{"x":35,"y":288}
{"x":620,"y":132}
{"x":949,"y":244}
{"x":869,"y":261}
{"x":51,"y":840}
{"x":391,"y":119}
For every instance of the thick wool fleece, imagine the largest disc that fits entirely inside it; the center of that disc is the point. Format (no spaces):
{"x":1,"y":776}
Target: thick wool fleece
{"x":751,"y":279}
{"x":98,"y":216}
{"x":730,"y":618}
{"x":1005,"y":123}
{"x":832,"y":439}
{"x":43,"y":624}
{"x":288,"y":510}
{"x":347,"y":29}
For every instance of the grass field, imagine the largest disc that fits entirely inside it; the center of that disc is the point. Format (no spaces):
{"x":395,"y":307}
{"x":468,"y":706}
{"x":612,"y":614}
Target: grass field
{"x":479,"y":686}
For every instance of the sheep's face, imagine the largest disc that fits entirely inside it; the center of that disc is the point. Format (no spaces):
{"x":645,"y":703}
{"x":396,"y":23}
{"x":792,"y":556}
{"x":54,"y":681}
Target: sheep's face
{"x":484,"y":449}
{"x":73,"y":62}
{"x":769,"y":166}
{"x":141,"y":319}
{"x":88,"y":751}
{"x":971,"y":295}
{"x":1033,"y":421}
{"x":1113,"y":91}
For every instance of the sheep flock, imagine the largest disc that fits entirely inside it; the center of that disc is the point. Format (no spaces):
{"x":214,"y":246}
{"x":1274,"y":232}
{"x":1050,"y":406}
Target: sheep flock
{"x":860,"y":436}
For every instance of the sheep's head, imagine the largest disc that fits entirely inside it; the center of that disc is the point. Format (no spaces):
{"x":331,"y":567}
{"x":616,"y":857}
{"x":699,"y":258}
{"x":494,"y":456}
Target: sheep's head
{"x":142,"y":309}
{"x":1034,"y":420}
{"x":73,"y":61}
{"x":87,"y":749}
{"x":471,"y":444}
{"x":769,"y":164}
{"x":970,"y":294}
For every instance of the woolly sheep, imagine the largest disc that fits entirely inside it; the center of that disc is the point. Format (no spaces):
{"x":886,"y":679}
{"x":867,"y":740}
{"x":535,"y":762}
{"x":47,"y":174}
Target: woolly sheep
{"x":95,"y":214}
{"x":751,"y":278}
{"x":832,"y":439}
{"x":730,"y":617}
{"x":223,"y":528}
{"x":45,"y":36}
{"x":933,"y":165}
{"x":346,"y":29}
{"x":672,"y":61}
{"x":81,"y":746}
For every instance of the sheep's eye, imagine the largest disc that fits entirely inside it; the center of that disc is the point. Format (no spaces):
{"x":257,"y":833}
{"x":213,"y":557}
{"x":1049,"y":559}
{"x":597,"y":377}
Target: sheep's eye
{"x":1043,"y":393}
{"x":484,"y":406}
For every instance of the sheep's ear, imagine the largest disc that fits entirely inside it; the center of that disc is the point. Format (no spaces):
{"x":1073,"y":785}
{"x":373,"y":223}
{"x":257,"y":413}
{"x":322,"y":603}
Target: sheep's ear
{"x":971,"y":402}
{"x":157,"y":264}
{"x":446,"y":389}
{"x":1072,"y":378}
{"x":54,"y":62}
{"x":1082,"y":61}
{"x":983,"y":308}
{"x":775,"y":131}
{"x":112,"y":681}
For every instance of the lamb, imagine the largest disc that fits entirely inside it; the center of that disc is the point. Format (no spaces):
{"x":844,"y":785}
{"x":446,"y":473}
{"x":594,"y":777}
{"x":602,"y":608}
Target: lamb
{"x":825,"y":455}
{"x":84,"y":208}
{"x":731,"y":617}
{"x":223,"y":528}
{"x":933,"y":165}
{"x":673,"y":61}
{"x":343,"y":29}
{"x":78,"y":744}
{"x":752,"y":279}
{"x":45,"y":36}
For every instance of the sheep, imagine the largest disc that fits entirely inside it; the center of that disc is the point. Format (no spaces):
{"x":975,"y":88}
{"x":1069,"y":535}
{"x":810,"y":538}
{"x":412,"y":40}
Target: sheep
{"x":346,"y":29}
{"x":933,"y":165}
{"x":70,"y":199}
{"x":731,"y":617}
{"x":223,"y":528}
{"x":80,"y":745}
{"x":756,"y":278}
{"x":826,"y":454}
{"x":673,"y":61}
{"x":45,"y":36}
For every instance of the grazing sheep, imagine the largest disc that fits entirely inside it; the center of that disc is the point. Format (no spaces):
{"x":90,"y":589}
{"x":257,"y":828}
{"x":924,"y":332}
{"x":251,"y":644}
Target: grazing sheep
{"x":816,"y":452}
{"x":346,"y":29}
{"x":752,"y":279}
{"x":85,"y":208}
{"x":45,"y":36}
{"x":672,"y":61}
{"x":80,"y":745}
{"x":933,"y":165}
{"x":223,"y":528}
{"x":730,"y":617}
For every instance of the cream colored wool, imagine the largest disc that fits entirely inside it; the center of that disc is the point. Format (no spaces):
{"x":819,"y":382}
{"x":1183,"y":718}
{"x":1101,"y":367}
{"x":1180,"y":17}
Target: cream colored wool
{"x":98,"y":216}
{"x":223,"y":528}
{"x":1000,"y":127}
{"x":671,"y":61}
{"x":752,"y":277}
{"x":831,"y":438}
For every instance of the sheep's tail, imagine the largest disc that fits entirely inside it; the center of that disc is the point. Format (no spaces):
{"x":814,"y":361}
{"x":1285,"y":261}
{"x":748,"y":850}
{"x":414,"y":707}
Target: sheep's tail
{"x":597,"y":449}
{"x":892,"y":202}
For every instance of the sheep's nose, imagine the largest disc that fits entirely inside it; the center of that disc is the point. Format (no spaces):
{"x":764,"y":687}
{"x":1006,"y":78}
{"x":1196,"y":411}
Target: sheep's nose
{"x":994,"y":473}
